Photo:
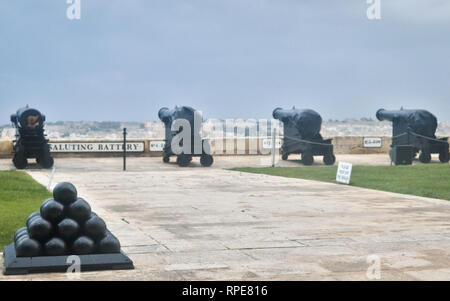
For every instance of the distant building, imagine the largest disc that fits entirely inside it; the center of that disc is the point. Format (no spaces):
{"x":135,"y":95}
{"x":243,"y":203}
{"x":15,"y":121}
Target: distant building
{"x":153,"y":129}
{"x":8,"y":133}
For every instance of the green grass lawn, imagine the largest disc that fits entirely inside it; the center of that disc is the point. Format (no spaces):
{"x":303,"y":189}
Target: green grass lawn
{"x":432,"y":180}
{"x":20,"y":196}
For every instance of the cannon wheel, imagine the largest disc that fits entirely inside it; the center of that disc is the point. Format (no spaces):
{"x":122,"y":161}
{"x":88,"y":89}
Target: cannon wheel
{"x":329,"y":159}
{"x":206,"y":160}
{"x":284,"y":157}
{"x":183,"y":160}
{"x":444,"y":157}
{"x":46,"y":161}
{"x":425,"y":157}
{"x":19,"y":160}
{"x":307,"y":159}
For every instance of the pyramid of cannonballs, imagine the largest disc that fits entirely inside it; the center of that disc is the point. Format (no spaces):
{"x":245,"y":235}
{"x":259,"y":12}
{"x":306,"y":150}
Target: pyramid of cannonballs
{"x":65,"y":225}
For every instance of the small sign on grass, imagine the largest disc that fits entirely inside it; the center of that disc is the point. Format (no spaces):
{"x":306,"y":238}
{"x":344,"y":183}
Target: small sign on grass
{"x":344,"y":172}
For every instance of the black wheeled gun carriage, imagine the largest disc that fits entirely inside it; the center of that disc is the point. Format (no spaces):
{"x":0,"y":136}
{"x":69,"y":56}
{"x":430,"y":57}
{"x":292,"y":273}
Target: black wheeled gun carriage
{"x":413,"y":131}
{"x":302,"y":136}
{"x":198,"y":147}
{"x":30,"y":139}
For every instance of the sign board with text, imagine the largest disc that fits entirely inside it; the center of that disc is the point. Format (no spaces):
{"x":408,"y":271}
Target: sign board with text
{"x":372,"y":142}
{"x":267,"y":143}
{"x":344,"y":172}
{"x":157,"y":146}
{"x":95,"y":147}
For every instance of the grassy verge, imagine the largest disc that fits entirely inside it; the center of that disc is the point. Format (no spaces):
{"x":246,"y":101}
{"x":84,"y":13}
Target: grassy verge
{"x":20,"y":195}
{"x":432,"y":180}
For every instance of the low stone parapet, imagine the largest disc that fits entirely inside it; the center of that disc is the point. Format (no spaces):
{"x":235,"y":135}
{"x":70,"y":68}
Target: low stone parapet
{"x":226,"y":146}
{"x":6,"y":148}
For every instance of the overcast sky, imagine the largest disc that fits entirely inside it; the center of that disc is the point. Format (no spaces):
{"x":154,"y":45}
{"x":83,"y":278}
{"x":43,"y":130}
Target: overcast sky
{"x":123,"y":60}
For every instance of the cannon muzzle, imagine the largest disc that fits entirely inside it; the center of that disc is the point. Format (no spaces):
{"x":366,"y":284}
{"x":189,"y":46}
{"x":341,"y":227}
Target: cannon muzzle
{"x":383,"y":114}
{"x":164,"y":115}
{"x":28,"y":118}
{"x":281,"y":114}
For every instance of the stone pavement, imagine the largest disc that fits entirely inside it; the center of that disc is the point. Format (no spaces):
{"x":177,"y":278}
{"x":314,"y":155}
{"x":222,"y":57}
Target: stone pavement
{"x":200,"y":223}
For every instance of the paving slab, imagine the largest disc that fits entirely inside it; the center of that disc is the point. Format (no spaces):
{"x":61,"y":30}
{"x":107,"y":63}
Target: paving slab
{"x":200,"y":223}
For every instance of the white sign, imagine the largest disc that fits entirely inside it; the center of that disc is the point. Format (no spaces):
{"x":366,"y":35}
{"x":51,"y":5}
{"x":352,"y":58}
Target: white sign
{"x":372,"y":142}
{"x":267,"y":143}
{"x":157,"y":146}
{"x":95,"y":147}
{"x":344,"y":172}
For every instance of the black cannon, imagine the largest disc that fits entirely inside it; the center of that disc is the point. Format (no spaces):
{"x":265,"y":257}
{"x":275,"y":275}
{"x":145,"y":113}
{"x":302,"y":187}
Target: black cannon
{"x":184,"y":144}
{"x":413,"y":131}
{"x":30,"y":139}
{"x":302,"y":136}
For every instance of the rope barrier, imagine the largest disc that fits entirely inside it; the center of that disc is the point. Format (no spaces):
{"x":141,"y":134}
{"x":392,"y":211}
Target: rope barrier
{"x":418,"y":135}
{"x":395,"y":137}
{"x":306,"y":141}
{"x":398,"y":136}
{"x":327,"y":144}
{"x":428,"y":138}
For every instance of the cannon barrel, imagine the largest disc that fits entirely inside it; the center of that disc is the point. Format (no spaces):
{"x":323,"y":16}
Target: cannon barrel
{"x":419,"y":121}
{"x":28,"y":118}
{"x":390,"y":115}
{"x":282,"y":114}
{"x":307,"y":122}
{"x":166,"y":115}
{"x":383,"y":114}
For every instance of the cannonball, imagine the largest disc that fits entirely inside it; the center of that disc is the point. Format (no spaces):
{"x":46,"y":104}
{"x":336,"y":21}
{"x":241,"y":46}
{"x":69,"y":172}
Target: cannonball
{"x":40,"y":229}
{"x":95,"y":227}
{"x":83,"y":245}
{"x":68,"y":229}
{"x":52,"y":211}
{"x":19,"y":239}
{"x":55,"y":247}
{"x":79,"y":210}
{"x":20,"y":232}
{"x":33,"y":216}
{"x":37,"y":213}
{"x":23,"y":234}
{"x":32,"y":220}
{"x":65,"y":193}
{"x":28,"y":247}
{"x":108,"y":244}
{"x":47,"y":200}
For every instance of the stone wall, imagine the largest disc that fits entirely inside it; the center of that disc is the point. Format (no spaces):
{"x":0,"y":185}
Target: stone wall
{"x":6,"y":148}
{"x":239,"y":146}
{"x":355,"y":145}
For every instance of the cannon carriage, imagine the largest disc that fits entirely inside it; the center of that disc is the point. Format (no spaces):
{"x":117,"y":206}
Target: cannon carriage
{"x":30,"y":141}
{"x":185,"y":145}
{"x":302,"y":136}
{"x":413,"y":132}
